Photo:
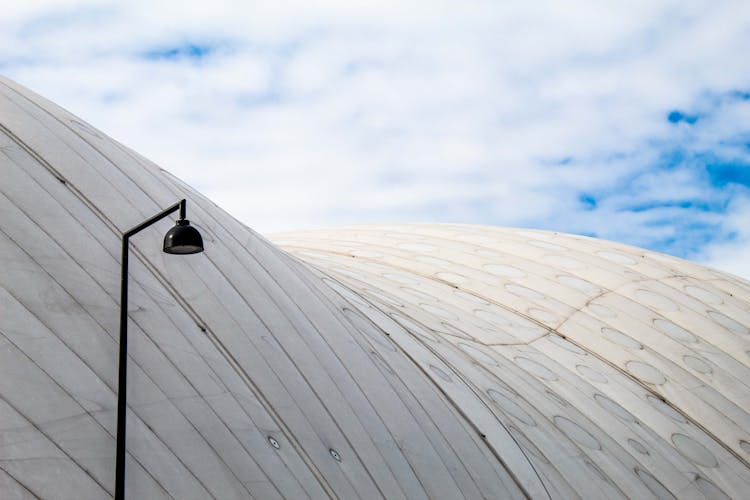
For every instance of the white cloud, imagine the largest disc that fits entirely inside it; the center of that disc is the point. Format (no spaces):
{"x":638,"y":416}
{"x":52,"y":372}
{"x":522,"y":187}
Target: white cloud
{"x":318,"y":113}
{"x":732,"y":255}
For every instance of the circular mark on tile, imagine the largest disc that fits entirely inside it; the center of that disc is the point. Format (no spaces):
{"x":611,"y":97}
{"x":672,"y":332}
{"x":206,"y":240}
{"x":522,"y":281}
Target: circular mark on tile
{"x":654,"y":485}
{"x":697,"y":364}
{"x":617,"y":258}
{"x":522,"y":291}
{"x":563,"y":261}
{"x":645,"y":372}
{"x":745,"y":446}
{"x":542,"y":315}
{"x":493,"y":318}
{"x":591,"y":374}
{"x":452,"y":330}
{"x":335,"y":454}
{"x":728,"y":323}
{"x":452,"y":277}
{"x":579,"y":284}
{"x":709,"y":489}
{"x":470,"y":297}
{"x":477,"y":354}
{"x":674,"y":332}
{"x":413,"y":327}
{"x":547,"y":245}
{"x":576,"y":433}
{"x":665,"y":409}
{"x":656,"y":300}
{"x":417,"y":247}
{"x":703,"y":295}
{"x":535,"y":368}
{"x":440,"y":373}
{"x":638,"y":447}
{"x":425,"y":297}
{"x":566,"y":344}
{"x":400,"y":278}
{"x":504,"y":271}
{"x":274,"y":443}
{"x":619,"y":338}
{"x":438,"y":311}
{"x":433,"y":261}
{"x":368,"y":254}
{"x":526,"y":443}
{"x":614,"y":408}
{"x":693,"y":450}
{"x":504,"y":400}
{"x":602,"y":311}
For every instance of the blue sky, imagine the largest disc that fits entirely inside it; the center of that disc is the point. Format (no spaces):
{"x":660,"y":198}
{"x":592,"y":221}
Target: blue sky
{"x":627,"y":121}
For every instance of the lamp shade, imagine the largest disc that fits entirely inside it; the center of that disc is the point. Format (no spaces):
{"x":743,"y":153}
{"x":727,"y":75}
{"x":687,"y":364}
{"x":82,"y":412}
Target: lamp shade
{"x":183,"y":239}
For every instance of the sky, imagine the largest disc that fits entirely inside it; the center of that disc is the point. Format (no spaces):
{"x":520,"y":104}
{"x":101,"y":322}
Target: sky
{"x":628,"y":121}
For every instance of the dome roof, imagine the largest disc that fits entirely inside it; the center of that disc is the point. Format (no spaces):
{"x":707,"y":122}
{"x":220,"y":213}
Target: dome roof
{"x":413,"y":361}
{"x":608,"y":367}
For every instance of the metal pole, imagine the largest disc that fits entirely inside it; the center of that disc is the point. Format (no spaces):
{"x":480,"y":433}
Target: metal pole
{"x":122,"y":376}
{"x":123,"y":352}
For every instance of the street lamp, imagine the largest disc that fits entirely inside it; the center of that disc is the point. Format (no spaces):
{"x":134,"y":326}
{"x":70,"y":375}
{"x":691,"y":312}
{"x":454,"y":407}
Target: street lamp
{"x":182,"y":239}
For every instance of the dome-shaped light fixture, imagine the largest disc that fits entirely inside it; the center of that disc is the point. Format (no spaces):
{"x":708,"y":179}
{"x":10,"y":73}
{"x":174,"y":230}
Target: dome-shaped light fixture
{"x":183,"y":239}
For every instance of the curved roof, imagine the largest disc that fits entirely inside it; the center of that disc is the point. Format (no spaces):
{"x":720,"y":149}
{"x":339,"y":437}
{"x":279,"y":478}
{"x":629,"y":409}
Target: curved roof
{"x":420,"y":361}
{"x":603,"y":362}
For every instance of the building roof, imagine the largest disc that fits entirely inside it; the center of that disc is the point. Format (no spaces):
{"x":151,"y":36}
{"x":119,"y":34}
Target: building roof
{"x":412,"y":361}
{"x":595,"y":357}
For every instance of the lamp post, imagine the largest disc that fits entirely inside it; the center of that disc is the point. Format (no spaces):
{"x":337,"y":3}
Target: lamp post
{"x":182,"y":239}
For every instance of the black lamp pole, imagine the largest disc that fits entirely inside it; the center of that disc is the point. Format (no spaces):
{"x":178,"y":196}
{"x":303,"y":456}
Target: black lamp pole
{"x":182,"y":239}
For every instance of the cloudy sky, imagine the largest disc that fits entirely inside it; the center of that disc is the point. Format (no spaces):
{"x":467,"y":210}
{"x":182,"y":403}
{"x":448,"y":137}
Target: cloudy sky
{"x":625,"y":120}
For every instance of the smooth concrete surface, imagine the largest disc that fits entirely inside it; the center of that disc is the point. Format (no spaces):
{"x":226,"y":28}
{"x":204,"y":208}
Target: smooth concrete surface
{"x":413,"y":361}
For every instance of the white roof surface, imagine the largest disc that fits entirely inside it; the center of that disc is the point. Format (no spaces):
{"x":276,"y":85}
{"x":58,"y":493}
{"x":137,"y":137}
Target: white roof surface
{"x":413,"y":361}
{"x":613,"y":368}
